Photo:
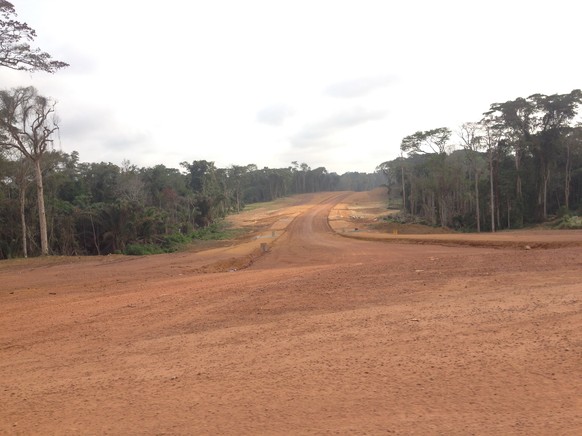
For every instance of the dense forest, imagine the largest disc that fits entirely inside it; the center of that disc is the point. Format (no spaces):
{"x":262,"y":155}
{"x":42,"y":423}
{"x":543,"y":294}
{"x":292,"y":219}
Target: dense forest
{"x":520,"y":164}
{"x":101,"y":208}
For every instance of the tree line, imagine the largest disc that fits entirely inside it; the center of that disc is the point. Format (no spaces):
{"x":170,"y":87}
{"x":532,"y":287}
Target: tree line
{"x":520,"y":164}
{"x":102,"y":208}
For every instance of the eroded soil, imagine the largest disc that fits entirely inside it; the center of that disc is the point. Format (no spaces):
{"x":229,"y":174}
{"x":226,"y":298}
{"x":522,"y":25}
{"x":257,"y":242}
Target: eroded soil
{"x":319,"y":331}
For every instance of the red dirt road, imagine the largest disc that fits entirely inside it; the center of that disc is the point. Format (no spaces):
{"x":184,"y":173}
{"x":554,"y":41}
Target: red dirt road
{"x":323,"y":334}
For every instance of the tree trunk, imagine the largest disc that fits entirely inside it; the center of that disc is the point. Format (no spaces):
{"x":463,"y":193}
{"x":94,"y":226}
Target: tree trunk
{"x":41,"y":211}
{"x":477,"y":209}
{"x":518,"y":188}
{"x":403,"y":191}
{"x":94,"y":234}
{"x":568,"y":178}
{"x":546,"y":179}
{"x":22,"y":199}
{"x":492,"y":190}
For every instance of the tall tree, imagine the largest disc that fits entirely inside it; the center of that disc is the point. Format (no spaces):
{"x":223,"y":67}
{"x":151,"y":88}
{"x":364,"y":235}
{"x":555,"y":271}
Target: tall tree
{"x":15,"y":50}
{"x":430,"y":141}
{"x":472,"y":142}
{"x":513,"y":120}
{"x":554,"y":113}
{"x":491,"y":137}
{"x":572,"y":147}
{"x":27,"y":122}
{"x":436,"y":188}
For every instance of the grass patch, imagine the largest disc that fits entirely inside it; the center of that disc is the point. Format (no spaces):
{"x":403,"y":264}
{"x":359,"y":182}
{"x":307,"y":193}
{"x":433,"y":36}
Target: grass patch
{"x":214,"y":232}
{"x":177,"y":241}
{"x":143,"y":249}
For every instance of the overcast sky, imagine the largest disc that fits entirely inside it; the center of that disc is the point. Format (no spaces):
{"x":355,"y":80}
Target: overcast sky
{"x":330,"y":83}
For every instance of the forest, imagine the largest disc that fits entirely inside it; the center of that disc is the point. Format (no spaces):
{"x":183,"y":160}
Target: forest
{"x":519,"y":165}
{"x":102,"y":208}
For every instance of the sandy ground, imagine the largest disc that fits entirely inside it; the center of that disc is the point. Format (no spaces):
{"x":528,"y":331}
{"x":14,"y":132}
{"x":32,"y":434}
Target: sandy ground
{"x":320,"y":332}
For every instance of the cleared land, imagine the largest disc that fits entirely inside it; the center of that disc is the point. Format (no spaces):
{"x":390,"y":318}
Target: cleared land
{"x":333,"y":330}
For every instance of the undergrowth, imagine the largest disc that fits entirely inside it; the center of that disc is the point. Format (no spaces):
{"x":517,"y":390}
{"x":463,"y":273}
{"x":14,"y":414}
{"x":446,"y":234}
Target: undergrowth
{"x":569,"y":222}
{"x":176,"y":241}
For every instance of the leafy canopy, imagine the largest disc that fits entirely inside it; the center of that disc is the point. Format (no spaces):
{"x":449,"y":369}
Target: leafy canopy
{"x":15,"y":50}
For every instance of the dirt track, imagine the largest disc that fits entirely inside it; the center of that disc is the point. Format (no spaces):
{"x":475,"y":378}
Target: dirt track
{"x":323,"y":334}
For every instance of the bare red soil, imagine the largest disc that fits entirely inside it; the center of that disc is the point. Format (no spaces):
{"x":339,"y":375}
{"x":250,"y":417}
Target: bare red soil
{"x":323,"y":333}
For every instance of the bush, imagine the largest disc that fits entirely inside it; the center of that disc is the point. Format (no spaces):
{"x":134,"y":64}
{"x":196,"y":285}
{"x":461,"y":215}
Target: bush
{"x":562,"y":212}
{"x":143,"y":249}
{"x":403,"y":218}
{"x":570,"y":222}
{"x":213,"y":232}
{"x":175,"y":241}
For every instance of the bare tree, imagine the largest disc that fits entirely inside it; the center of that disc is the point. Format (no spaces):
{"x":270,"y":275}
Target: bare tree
{"x":15,"y":50}
{"x":27,"y":122}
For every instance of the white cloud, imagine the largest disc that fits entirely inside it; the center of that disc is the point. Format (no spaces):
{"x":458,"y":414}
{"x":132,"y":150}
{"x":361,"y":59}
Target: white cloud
{"x":358,"y":87}
{"x":196,"y":80}
{"x":319,"y":133}
{"x":275,"y":114}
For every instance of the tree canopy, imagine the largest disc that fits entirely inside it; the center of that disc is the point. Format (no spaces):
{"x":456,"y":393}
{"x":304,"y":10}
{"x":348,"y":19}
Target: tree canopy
{"x":100,"y":208}
{"x":15,"y":50}
{"x":522,"y":162}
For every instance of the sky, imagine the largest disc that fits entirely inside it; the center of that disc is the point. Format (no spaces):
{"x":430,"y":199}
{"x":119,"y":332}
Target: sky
{"x":335,"y":83}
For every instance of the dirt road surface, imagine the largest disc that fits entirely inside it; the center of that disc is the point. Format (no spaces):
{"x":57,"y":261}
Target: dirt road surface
{"x":323,"y":333}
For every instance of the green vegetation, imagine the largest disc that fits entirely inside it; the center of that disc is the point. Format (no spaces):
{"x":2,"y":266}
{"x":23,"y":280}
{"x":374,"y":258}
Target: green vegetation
{"x":520,"y":165}
{"x":176,"y":241}
{"x":101,"y":208}
{"x":567,"y":220}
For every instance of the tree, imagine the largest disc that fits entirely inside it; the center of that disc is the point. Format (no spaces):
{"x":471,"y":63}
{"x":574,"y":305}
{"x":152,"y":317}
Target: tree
{"x":27,"y":122}
{"x":15,"y":50}
{"x":435,"y":140}
{"x":554,"y":113}
{"x":513,"y":120}
{"x":236,"y":175}
{"x":573,"y":147}
{"x":21,"y":177}
{"x":491,"y":140}
{"x":435,"y":188}
{"x":472,"y":142}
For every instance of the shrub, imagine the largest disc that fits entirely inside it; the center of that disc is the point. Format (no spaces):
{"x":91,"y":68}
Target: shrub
{"x":562,"y":212}
{"x":143,"y":249}
{"x":570,"y":222}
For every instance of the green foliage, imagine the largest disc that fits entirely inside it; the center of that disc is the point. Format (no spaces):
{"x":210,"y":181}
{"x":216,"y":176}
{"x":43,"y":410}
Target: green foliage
{"x":569,"y":222}
{"x":102,"y":208}
{"x":563,"y":212}
{"x":177,"y":241}
{"x":519,"y":165}
{"x":143,"y":249}
{"x":435,"y":140}
{"x":404,"y":218}
{"x":15,"y":50}
{"x":214,"y":232}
